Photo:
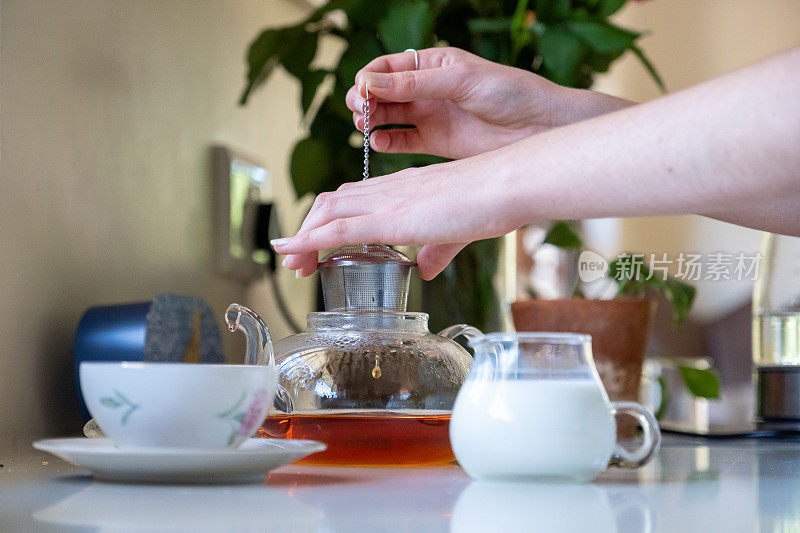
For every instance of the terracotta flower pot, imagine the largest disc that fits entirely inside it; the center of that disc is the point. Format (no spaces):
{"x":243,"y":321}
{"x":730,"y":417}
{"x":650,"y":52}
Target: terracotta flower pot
{"x":619,"y":328}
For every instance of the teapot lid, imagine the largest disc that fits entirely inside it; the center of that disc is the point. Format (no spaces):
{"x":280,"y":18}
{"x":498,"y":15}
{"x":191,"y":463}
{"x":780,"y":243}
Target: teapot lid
{"x":369,"y":253}
{"x":365,"y":277}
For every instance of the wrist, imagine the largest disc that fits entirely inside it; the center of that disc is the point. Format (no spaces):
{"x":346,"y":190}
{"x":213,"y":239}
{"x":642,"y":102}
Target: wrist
{"x":504,"y":182}
{"x":583,"y":104}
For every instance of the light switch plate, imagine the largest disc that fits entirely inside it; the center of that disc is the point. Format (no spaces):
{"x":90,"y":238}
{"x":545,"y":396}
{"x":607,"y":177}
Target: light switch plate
{"x":241,"y":183}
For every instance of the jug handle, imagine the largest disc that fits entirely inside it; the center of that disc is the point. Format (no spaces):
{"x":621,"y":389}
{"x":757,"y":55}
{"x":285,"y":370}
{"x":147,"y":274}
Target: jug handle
{"x":454,"y":331}
{"x":651,"y":436}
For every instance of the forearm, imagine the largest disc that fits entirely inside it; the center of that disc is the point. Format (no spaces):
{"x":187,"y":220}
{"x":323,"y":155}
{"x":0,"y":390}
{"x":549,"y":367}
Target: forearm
{"x":778,"y":216}
{"x":717,"y":148}
{"x":729,"y":148}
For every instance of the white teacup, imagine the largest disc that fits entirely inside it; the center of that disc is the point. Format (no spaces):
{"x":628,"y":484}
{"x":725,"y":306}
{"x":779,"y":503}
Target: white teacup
{"x":533,"y":407}
{"x":177,"y":404}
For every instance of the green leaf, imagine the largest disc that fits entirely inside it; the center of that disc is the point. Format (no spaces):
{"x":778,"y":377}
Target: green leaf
{"x":650,"y":68}
{"x":309,"y":83}
{"x":332,"y":5}
{"x":310,"y":166}
{"x":298,"y":51}
{"x":602,"y":62}
{"x":364,"y":14}
{"x":561,"y":52}
{"x":701,"y":383}
{"x":446,"y":301}
{"x":333,"y":122}
{"x":489,"y":25}
{"x":606,"y":8}
{"x":632,"y":275}
{"x":603,"y":37}
{"x":293,"y":47}
{"x":665,"y":399}
{"x":261,"y":59}
{"x":110,"y":402}
{"x":360,"y":52}
{"x":553,"y":10}
{"x":563,"y":235}
{"x":679,"y":295}
{"x":520,"y":36}
{"x":449,"y":24}
{"x":339,"y":108}
{"x":404,"y":25}
{"x":488,"y":47}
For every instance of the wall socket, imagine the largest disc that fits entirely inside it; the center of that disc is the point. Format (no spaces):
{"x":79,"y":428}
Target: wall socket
{"x":244,"y":214}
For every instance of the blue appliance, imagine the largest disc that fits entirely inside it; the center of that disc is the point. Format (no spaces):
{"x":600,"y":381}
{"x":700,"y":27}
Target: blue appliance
{"x":110,"y":333}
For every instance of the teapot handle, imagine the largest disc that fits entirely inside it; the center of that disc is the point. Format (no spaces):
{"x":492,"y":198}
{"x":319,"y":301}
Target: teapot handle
{"x":454,"y":331}
{"x":259,"y":344}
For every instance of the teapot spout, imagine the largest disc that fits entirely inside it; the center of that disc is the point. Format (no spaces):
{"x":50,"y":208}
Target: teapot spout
{"x":259,"y":343}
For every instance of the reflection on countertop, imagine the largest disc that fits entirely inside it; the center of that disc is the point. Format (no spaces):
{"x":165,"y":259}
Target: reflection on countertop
{"x":690,"y":486}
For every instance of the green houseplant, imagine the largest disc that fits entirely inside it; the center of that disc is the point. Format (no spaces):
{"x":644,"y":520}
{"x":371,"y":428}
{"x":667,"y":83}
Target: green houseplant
{"x":566,"y":41}
{"x":620,"y":326}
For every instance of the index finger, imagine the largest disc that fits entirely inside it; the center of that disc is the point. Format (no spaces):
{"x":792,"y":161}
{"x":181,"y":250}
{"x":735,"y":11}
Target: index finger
{"x":402,"y":61}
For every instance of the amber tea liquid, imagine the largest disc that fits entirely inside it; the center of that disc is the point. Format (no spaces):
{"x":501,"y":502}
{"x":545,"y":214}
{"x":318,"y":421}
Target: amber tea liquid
{"x":369,"y":438}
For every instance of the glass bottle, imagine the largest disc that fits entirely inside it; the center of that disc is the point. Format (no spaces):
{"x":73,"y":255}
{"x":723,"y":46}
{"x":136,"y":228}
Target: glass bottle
{"x":776,"y":331}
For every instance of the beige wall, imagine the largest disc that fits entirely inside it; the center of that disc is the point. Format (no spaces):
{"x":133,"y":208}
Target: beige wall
{"x":691,"y":41}
{"x":107,"y":112}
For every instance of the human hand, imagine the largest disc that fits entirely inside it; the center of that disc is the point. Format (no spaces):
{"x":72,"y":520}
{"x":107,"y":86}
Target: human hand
{"x":459,"y":104}
{"x":444,"y":207}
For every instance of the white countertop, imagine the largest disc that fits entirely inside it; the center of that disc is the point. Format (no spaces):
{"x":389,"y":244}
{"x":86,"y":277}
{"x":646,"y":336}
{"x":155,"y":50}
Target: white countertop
{"x":689,"y":486}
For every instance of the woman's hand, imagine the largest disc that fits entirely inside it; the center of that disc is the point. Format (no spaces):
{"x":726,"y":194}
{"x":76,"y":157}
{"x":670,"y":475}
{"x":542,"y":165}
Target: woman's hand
{"x":444,"y":206}
{"x":458,"y":105}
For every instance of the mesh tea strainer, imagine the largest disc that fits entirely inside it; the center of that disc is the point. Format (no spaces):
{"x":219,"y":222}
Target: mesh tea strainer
{"x":365,"y":277}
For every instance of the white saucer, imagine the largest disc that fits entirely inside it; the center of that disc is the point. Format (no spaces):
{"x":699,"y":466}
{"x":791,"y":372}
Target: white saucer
{"x":248,"y":463}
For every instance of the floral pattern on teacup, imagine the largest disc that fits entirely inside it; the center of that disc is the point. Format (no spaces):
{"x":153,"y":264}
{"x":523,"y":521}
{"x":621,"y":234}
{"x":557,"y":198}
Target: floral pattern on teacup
{"x":117,"y":401}
{"x":245,"y":419}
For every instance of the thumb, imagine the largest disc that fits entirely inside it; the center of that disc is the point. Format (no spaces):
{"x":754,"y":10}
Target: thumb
{"x":406,"y":86}
{"x":433,"y":258}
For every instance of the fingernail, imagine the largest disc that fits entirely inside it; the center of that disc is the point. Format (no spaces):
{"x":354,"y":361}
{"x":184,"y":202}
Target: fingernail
{"x":376,"y":80}
{"x":279,"y":242}
{"x":297,"y":274}
{"x":285,"y":260}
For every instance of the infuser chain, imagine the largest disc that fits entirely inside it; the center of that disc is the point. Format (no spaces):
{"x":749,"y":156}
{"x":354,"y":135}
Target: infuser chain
{"x":365,"y":110}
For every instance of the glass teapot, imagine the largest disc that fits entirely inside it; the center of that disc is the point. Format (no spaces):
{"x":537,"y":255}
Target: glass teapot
{"x":367,"y":378}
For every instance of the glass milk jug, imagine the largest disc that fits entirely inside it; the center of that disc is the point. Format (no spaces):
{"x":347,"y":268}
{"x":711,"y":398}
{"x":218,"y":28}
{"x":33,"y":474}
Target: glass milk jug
{"x":533,"y":407}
